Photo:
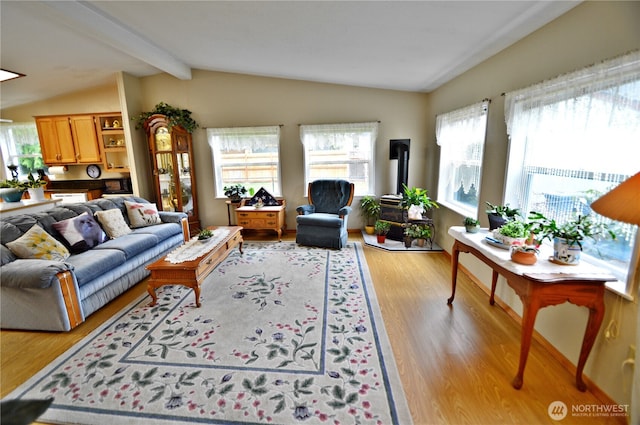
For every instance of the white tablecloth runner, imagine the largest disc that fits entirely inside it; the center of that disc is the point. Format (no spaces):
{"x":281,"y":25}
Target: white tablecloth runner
{"x":195,"y":248}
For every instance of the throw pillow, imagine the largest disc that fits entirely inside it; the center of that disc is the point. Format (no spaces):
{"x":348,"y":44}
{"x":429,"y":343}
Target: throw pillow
{"x":81,"y":233}
{"x":113,"y":222}
{"x":38,"y":244}
{"x":268,"y":200}
{"x":142,"y":215}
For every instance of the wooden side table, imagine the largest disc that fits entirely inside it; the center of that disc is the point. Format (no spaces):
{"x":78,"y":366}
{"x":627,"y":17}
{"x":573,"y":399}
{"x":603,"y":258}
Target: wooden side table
{"x":264,"y":218}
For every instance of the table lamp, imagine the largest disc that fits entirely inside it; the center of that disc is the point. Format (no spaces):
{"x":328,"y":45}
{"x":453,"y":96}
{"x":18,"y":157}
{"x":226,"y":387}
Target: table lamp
{"x":622,"y":203}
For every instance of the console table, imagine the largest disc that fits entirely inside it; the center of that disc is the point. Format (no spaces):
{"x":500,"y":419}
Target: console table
{"x":263,"y":218}
{"x":540,"y":285}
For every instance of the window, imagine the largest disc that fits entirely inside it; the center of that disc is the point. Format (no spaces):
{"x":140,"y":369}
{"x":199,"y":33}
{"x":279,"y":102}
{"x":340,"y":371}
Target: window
{"x":20,"y":146}
{"x":572,"y":139}
{"x":340,"y":151}
{"x":461,"y":135}
{"x":247,"y":156}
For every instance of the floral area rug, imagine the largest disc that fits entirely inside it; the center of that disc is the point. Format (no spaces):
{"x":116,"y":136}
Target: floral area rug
{"x":285,"y":335}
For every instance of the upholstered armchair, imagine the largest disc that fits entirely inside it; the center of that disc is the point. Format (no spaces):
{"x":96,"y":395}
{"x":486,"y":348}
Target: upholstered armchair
{"x":323,"y":222}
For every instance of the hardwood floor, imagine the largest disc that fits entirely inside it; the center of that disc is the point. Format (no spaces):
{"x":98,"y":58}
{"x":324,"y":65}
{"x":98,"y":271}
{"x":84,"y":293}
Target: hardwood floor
{"x":456,"y":363}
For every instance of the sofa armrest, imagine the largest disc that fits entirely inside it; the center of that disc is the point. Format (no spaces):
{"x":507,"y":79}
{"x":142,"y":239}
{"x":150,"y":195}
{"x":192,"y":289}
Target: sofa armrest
{"x":306,"y":209}
{"x":346,"y":210}
{"x":171,"y":216}
{"x":27,"y":273}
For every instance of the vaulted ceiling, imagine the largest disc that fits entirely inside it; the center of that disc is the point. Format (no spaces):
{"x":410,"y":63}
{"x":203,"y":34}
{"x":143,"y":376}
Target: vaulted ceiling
{"x":64,"y":46}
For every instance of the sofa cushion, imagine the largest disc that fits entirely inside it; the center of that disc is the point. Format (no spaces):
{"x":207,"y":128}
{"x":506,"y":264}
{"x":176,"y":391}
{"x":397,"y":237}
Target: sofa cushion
{"x":94,"y":263}
{"x":113,"y":223}
{"x":320,"y":219}
{"x":80,"y":233}
{"x":142,"y":214}
{"x":131,"y":244}
{"x":161,"y":231}
{"x":37,"y":243}
{"x":31,"y":273}
{"x":6,"y":256}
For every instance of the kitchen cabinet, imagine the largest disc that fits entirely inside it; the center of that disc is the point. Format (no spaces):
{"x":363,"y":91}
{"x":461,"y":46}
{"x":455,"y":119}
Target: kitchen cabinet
{"x":174,"y":177}
{"x":112,"y":141}
{"x":68,"y":139}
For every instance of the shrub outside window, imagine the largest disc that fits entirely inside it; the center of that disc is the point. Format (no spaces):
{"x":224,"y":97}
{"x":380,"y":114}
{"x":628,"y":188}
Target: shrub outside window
{"x":461,"y":135}
{"x":21,"y":147}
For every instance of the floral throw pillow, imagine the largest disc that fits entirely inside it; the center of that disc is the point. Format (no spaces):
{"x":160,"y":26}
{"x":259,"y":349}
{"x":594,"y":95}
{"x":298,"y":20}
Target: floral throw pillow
{"x":113,"y":222}
{"x":38,"y":244}
{"x":81,"y":233}
{"x":142,"y":215}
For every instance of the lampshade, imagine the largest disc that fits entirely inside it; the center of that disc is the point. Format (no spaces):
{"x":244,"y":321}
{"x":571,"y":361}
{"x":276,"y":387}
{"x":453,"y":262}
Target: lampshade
{"x":622,"y":203}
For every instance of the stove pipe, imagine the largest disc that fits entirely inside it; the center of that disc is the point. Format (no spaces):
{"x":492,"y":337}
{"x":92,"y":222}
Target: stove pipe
{"x":399,"y":149}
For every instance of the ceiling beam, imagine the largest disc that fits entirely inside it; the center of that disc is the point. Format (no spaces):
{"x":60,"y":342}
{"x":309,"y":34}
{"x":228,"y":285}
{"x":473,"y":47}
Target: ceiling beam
{"x":102,"y":27}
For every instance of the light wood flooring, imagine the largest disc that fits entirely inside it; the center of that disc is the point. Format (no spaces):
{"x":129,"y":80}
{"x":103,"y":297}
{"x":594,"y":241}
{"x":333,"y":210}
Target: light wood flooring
{"x":456,"y":363}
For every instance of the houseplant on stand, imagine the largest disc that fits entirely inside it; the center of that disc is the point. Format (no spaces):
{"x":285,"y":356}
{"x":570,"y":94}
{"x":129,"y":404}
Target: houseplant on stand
{"x":382,"y":228}
{"x":35,"y":187}
{"x":524,"y":254}
{"x":568,"y":237}
{"x":416,"y":201}
{"x":500,"y":214}
{"x":419,"y":232}
{"x":235,"y":192}
{"x":370,"y":208}
{"x":471,"y":225}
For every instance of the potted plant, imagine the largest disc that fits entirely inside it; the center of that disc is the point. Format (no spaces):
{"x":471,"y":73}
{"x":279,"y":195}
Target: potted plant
{"x":370,"y":208}
{"x":11,"y":190}
{"x":382,"y":228}
{"x":35,"y":187}
{"x":175,"y":116}
{"x":471,"y":225}
{"x":205,"y":235}
{"x":419,"y":232}
{"x":500,"y":214}
{"x":513,"y":232}
{"x":235,"y":192}
{"x":568,"y":237}
{"x":524,"y":254}
{"x":416,"y":200}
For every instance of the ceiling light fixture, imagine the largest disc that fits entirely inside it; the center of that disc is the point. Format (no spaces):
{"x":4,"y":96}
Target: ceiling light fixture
{"x":9,"y":75}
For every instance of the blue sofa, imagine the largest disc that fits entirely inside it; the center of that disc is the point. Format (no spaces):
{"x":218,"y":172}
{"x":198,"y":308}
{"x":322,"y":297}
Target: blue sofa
{"x":49,"y":295}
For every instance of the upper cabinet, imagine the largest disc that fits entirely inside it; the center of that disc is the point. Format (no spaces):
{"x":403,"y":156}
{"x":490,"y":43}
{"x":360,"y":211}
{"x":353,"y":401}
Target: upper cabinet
{"x":69,"y":139}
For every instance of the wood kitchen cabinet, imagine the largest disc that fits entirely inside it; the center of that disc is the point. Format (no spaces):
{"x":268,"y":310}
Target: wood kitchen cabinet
{"x":68,"y":139}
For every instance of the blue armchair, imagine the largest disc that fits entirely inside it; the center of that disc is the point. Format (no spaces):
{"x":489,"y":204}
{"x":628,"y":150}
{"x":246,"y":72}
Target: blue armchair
{"x":323,"y":222}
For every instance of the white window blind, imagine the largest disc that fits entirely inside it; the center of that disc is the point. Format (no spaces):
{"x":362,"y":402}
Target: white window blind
{"x":572,"y":139}
{"x":247,"y":156}
{"x":461,"y":136}
{"x":340,"y":151}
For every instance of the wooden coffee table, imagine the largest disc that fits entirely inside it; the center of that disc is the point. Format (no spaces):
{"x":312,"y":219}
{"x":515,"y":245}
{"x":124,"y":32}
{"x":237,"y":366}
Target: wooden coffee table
{"x":192,"y":273}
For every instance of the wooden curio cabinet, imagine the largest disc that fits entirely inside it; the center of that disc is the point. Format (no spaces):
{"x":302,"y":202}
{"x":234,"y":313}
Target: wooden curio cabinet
{"x":173,"y":172}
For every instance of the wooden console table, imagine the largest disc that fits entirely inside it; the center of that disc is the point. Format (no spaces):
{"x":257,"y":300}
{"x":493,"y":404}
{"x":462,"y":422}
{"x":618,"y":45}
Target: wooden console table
{"x":192,"y":273}
{"x":540,"y":285}
{"x":264,"y":218}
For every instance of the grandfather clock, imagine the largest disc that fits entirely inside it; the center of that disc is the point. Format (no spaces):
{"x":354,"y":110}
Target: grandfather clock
{"x":173,"y":172}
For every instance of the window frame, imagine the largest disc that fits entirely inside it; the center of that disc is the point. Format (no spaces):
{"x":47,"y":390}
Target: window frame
{"x":367,"y":186}
{"x":248,"y":132}
{"x":453,"y":129}
{"x":9,"y":149}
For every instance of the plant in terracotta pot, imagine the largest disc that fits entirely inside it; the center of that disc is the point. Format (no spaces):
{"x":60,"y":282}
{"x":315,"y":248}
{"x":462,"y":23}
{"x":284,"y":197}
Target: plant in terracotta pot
{"x":419,"y":232}
{"x":524,"y":254}
{"x":567,"y":238}
{"x":370,"y":208}
{"x":500,"y":214}
{"x":381,"y":229}
{"x":471,"y":225}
